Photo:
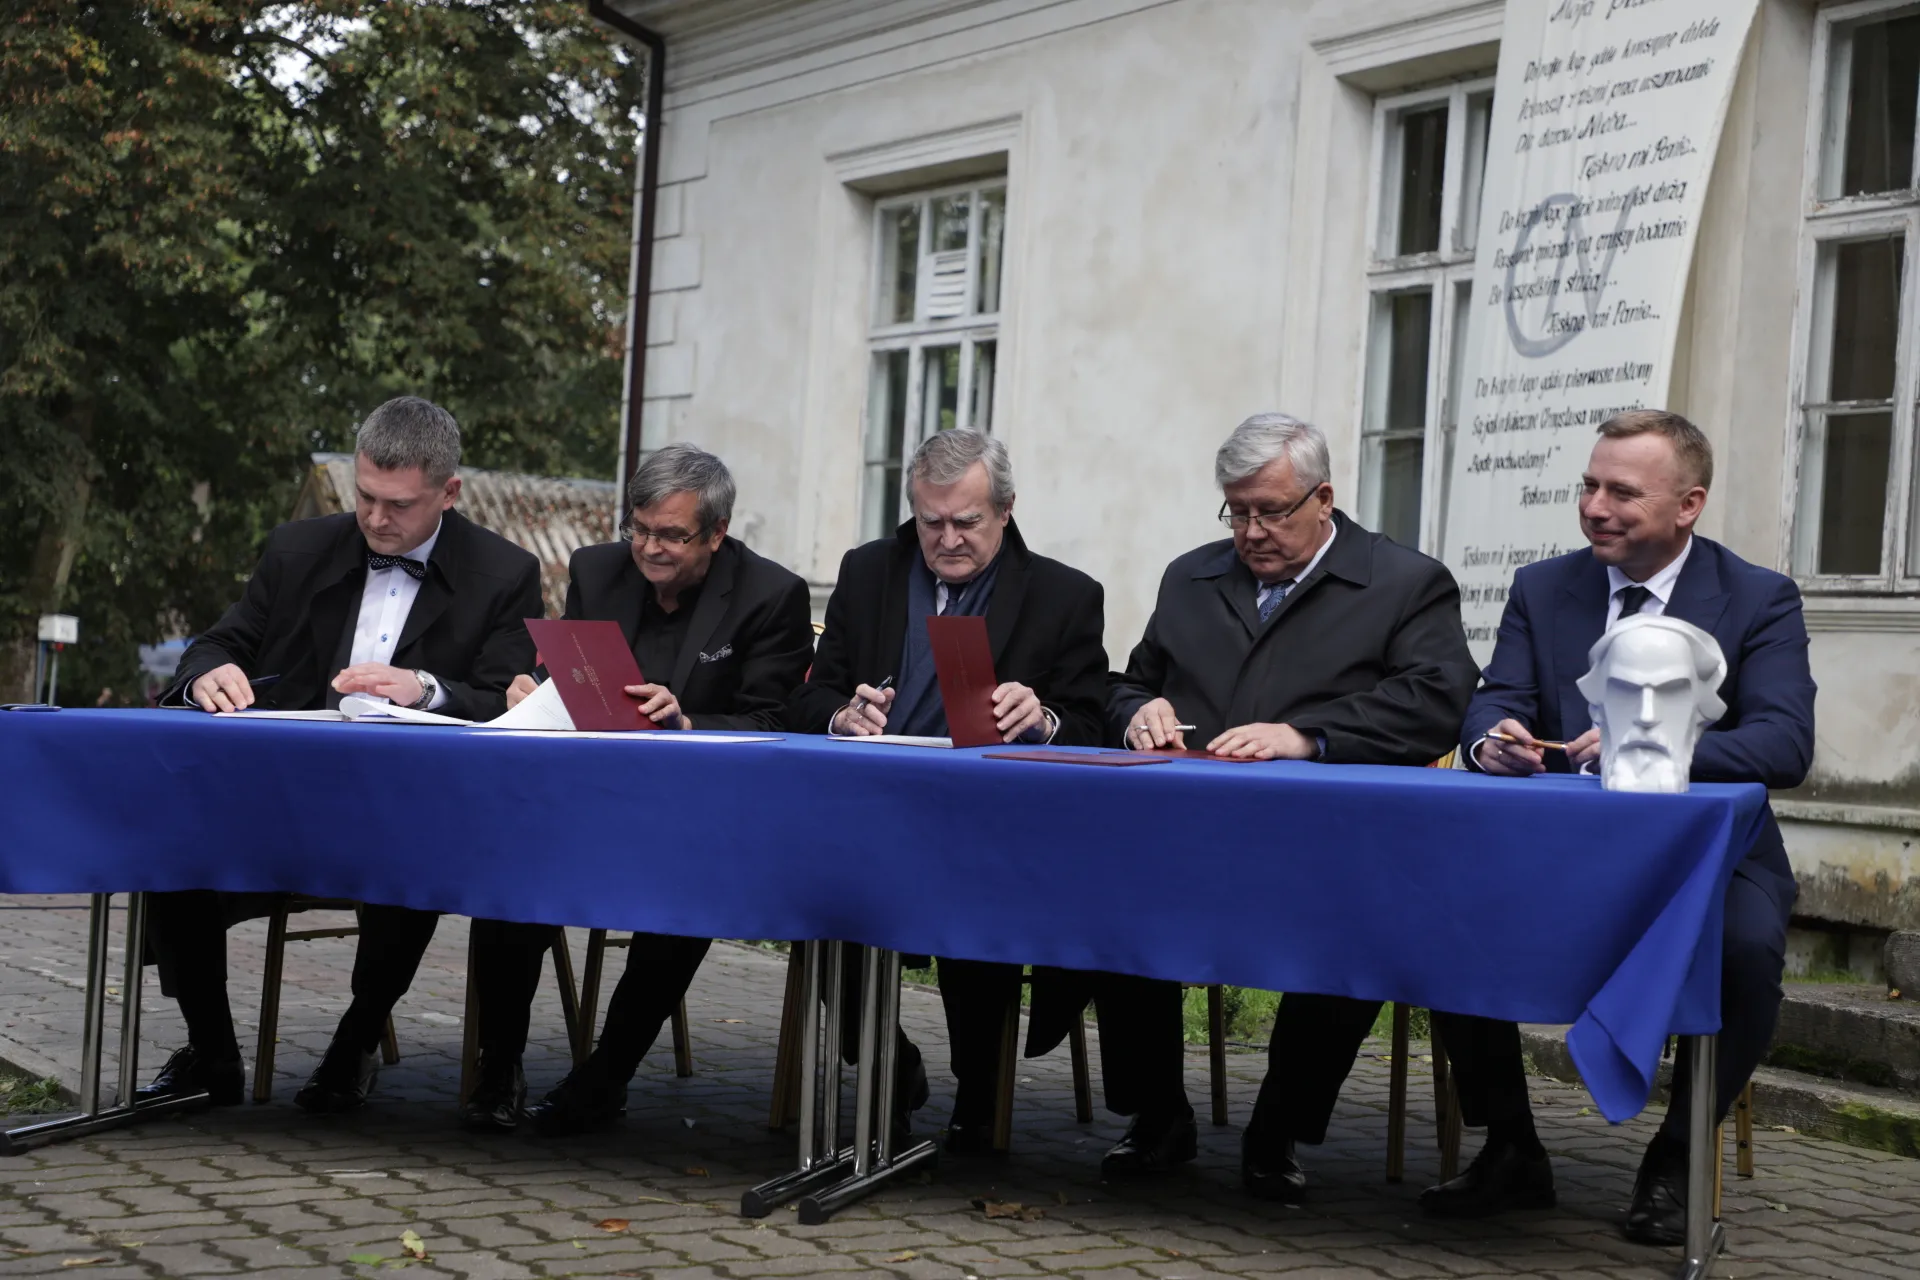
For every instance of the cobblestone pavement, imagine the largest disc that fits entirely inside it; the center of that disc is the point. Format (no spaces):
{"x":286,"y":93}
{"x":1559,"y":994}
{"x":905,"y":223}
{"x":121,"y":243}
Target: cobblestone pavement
{"x":267,"y":1191}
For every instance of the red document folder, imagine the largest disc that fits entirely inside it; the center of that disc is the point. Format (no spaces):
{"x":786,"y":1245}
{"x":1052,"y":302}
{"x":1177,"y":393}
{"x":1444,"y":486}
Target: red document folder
{"x":963,"y":661}
{"x":592,"y":665}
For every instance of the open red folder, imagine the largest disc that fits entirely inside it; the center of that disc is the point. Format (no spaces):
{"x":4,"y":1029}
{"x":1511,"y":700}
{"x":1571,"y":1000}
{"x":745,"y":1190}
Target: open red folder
{"x":591,"y":665}
{"x":963,"y":661}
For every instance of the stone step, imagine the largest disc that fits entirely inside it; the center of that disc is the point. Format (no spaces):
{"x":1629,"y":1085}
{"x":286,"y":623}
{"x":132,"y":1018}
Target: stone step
{"x":1850,"y":1032}
{"x":1860,"y":1115}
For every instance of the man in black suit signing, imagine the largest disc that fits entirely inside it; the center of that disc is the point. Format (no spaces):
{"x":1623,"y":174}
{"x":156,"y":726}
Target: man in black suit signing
{"x":1304,"y":638}
{"x":403,"y":599}
{"x":961,"y":554}
{"x":721,"y":635}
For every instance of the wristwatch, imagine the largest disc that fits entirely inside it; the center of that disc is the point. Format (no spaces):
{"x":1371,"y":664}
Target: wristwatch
{"x":429,"y":690}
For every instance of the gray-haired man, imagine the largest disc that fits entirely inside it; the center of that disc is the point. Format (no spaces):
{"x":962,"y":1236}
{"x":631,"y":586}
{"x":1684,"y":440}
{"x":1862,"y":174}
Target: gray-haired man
{"x":403,"y":598}
{"x":1304,"y":637}
{"x":961,"y":553}
{"x":721,"y":636}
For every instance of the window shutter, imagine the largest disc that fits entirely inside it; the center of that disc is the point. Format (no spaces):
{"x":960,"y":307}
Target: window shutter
{"x":944,"y":285}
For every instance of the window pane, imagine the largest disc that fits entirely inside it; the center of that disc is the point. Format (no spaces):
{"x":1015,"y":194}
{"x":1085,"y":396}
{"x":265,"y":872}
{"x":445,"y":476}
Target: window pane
{"x":1410,"y":321}
{"x":950,"y":223}
{"x":1880,"y":106}
{"x":1853,"y":492}
{"x":886,"y":439}
{"x":1866,"y":318}
{"x":993,"y":230}
{"x":980,"y":415}
{"x":899,"y":264}
{"x":1423,"y":159}
{"x":946,"y":284}
{"x":939,"y":390}
{"x":1396,"y":464}
{"x":1473,"y":173}
{"x":1450,"y":412}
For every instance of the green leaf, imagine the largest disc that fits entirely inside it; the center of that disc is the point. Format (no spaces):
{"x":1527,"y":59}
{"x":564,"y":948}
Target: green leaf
{"x":367,"y":1259}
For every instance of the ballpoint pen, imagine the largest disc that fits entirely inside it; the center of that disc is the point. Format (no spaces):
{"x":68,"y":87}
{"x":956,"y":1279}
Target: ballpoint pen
{"x":1497,"y":736}
{"x":859,"y":704}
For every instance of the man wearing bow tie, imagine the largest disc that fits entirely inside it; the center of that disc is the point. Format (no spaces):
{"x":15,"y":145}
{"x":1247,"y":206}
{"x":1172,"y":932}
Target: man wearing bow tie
{"x":403,"y":599}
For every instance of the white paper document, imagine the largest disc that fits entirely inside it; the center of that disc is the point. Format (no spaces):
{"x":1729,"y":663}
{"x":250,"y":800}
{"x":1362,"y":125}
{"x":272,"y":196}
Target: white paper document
{"x":901,"y":740}
{"x":355,"y":707}
{"x":541,"y":709}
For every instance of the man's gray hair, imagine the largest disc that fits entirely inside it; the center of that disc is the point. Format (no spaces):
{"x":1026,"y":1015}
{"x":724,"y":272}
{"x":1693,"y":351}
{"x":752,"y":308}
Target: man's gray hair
{"x":407,"y":431}
{"x":683,"y":468}
{"x":1267,"y":436}
{"x":945,"y":456}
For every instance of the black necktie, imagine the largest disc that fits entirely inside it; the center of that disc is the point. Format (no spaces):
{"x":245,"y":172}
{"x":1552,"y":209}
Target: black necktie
{"x":412,"y":568}
{"x":1633,"y":600}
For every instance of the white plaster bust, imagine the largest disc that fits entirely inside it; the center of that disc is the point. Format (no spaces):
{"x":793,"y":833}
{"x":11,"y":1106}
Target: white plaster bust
{"x":1653,"y":688}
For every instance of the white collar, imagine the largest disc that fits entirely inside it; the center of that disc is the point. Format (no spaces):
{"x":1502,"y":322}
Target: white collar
{"x":425,"y":549}
{"x":1661,"y":583}
{"x":1333,"y":530}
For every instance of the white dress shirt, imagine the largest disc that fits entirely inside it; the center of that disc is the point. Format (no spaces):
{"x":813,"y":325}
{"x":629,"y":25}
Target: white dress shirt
{"x":1661,"y":584}
{"x":385,"y":603}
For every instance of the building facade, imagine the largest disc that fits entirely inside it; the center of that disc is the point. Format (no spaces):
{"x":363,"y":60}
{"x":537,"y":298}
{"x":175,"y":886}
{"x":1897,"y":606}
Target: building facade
{"x":1108,"y":230}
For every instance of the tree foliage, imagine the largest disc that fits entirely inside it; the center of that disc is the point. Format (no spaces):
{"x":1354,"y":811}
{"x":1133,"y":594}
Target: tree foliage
{"x":229,"y":228}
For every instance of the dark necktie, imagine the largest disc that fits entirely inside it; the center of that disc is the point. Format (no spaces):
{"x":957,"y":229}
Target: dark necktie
{"x":412,"y":568}
{"x":1274,"y":597}
{"x":1633,"y":600}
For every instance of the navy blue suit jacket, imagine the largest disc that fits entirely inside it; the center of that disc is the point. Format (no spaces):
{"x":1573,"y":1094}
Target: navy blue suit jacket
{"x":1557,"y":608}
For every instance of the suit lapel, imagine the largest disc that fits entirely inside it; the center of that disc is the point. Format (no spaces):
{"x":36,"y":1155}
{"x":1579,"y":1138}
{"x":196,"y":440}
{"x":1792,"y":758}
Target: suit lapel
{"x":1237,"y":590}
{"x":1698,"y":596}
{"x":1578,"y":620}
{"x":707,"y":613}
{"x":629,"y":599}
{"x":893,"y":608}
{"x":1009,"y":592}
{"x":334,"y":611}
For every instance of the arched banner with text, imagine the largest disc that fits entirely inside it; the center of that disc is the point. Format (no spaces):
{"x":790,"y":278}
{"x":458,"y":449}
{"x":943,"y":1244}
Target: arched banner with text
{"x":1606,"y":116}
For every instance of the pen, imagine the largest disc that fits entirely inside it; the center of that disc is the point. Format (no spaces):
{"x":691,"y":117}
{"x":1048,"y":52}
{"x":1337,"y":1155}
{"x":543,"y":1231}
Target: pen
{"x":1186,"y":728}
{"x":1538,"y":742}
{"x":859,"y":704}
{"x":263,"y":681}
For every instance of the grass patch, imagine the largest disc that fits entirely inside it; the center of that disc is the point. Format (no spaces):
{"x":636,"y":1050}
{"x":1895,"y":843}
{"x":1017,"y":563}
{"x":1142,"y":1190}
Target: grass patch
{"x":22,"y":1095}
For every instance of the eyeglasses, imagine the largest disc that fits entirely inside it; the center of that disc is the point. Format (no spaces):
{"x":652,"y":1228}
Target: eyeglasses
{"x":641,"y":535}
{"x":1267,"y":520}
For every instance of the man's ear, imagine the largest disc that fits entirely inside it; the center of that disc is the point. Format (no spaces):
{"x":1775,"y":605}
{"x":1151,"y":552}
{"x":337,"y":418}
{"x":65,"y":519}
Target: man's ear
{"x":719,"y":533}
{"x":451,"y":493}
{"x":1692,"y":503}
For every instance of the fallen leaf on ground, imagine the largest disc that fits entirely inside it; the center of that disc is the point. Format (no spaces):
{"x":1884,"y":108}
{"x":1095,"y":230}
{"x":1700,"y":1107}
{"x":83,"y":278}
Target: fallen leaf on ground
{"x":578,"y":1245}
{"x":1010,"y":1209}
{"x":1785,"y":1128}
{"x":1782,"y":1208}
{"x":695,"y":1171}
{"x":414,"y":1246}
{"x":612,"y":1224}
{"x":729,"y":1019}
{"x":905,"y":1255}
{"x":1584,"y":1111}
{"x":367,"y":1259}
{"x":83,"y":1262}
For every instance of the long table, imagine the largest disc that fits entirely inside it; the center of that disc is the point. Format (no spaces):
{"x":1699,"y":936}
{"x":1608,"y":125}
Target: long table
{"x":1547,"y":900}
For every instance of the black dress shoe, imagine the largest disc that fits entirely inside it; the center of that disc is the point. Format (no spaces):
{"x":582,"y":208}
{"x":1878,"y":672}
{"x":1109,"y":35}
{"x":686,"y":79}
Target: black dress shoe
{"x":970,"y":1131}
{"x":495,"y":1104}
{"x":190,"y":1071}
{"x":1273,"y":1173}
{"x":1153,"y":1145}
{"x":341,"y":1082}
{"x":1658,"y":1213}
{"x":585,"y":1102}
{"x":1501,"y":1177}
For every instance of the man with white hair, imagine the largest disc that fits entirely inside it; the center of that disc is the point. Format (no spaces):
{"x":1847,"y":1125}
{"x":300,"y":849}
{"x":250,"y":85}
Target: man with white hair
{"x":961,"y":554}
{"x":1303,"y":637}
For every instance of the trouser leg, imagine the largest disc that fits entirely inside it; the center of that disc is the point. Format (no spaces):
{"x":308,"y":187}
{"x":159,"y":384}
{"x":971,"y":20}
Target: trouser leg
{"x":392,"y":941}
{"x":1489,"y":1076}
{"x":660,"y":968}
{"x":1142,"y":1051}
{"x":907,"y":1074}
{"x":1315,"y":1040}
{"x":1753,"y":956}
{"x":189,"y":932}
{"x":977,"y":995}
{"x":507,"y":958}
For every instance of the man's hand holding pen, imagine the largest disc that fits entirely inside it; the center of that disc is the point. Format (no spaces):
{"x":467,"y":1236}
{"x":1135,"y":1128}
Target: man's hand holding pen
{"x":866,"y":715}
{"x":1511,"y":750}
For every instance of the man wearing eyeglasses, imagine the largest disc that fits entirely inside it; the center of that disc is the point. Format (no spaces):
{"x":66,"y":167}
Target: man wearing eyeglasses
{"x":961,"y":554}
{"x":1305,"y":637}
{"x":721,"y":635}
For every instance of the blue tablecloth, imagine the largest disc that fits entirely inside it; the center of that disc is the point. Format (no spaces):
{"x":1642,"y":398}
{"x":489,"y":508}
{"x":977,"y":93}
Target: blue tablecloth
{"x":1547,"y":900}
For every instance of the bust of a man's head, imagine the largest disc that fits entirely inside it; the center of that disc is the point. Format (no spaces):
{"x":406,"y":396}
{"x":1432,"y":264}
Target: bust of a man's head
{"x":1653,"y":688}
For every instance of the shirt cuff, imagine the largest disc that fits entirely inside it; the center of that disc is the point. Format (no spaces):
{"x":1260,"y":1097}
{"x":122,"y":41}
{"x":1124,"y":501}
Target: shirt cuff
{"x":1473,"y":754}
{"x":1036,"y":734}
{"x":1321,"y":740}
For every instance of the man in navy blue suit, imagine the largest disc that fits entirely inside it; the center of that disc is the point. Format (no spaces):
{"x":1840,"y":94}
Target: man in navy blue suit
{"x":1642,"y":493}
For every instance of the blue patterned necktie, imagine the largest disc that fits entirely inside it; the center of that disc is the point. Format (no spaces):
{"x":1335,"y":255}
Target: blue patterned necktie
{"x":1274,"y":597}
{"x":412,"y":568}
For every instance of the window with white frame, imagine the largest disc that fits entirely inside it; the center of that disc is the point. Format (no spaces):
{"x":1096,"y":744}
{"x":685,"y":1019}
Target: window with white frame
{"x":1429,"y":162}
{"x":935,"y":329}
{"x":1852,"y":488}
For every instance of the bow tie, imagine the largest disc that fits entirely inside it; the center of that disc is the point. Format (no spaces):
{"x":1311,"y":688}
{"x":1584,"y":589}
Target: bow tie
{"x":412,"y":568}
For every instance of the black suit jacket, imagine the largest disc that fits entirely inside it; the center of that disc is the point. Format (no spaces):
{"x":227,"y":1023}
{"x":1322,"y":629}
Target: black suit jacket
{"x":1368,"y":651}
{"x":1045,"y":624}
{"x":748,"y":641}
{"x":296,"y":618}
{"x":1557,"y":609}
